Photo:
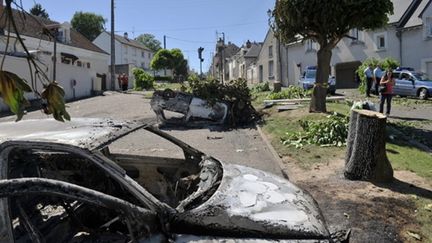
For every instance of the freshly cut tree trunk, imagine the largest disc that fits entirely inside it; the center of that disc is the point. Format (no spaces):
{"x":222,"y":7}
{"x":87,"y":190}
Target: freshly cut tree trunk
{"x":366,"y":157}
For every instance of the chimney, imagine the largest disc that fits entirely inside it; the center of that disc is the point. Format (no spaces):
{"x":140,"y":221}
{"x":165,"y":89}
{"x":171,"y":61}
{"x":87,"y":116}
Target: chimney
{"x":125,"y":35}
{"x":248,"y":44}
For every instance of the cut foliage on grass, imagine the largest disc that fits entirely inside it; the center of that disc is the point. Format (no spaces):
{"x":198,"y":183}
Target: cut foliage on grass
{"x":331,"y":131}
{"x":292,"y":92}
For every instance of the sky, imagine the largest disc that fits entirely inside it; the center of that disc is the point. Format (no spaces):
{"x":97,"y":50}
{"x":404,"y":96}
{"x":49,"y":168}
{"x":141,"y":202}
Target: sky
{"x":187,"y":24}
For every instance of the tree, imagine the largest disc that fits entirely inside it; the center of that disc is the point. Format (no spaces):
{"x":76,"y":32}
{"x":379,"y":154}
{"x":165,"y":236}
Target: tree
{"x":37,"y":10}
{"x":326,"y":23}
{"x":170,"y":59}
{"x":149,"y":41}
{"x":162,"y":59}
{"x":88,"y":24}
{"x":180,"y":64}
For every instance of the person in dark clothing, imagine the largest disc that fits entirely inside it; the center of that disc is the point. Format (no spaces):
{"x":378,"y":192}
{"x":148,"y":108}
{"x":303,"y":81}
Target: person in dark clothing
{"x":369,"y":79}
{"x":124,"y":81}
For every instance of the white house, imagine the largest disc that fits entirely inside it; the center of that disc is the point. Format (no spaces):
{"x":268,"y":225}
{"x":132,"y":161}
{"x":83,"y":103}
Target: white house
{"x":80,"y":65}
{"x":127,"y":51}
{"x":406,"y":38}
{"x":239,"y":63}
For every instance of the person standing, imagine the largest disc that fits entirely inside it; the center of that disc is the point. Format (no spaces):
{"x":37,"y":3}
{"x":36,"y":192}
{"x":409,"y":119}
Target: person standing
{"x":388,"y":82}
{"x":377,"y":75}
{"x":124,"y":82}
{"x":369,"y":78}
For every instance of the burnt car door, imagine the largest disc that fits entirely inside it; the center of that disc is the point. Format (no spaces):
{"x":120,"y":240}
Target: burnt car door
{"x":55,"y":191}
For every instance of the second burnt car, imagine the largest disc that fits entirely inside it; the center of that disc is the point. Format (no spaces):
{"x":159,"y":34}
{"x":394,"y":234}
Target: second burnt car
{"x":84,"y":181}
{"x":192,"y":110}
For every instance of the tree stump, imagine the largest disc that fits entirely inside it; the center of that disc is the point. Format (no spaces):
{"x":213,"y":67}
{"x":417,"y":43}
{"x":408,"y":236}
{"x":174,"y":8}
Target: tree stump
{"x":366,"y":157}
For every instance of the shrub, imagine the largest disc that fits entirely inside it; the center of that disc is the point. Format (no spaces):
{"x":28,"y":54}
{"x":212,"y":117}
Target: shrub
{"x":143,"y":80}
{"x":333,"y":131}
{"x":292,"y":92}
{"x":385,"y":64}
{"x":261,"y":87}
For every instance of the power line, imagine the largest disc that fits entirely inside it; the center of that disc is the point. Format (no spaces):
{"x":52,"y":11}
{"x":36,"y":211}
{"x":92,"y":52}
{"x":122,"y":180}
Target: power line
{"x":197,"y":28}
{"x":191,"y":41}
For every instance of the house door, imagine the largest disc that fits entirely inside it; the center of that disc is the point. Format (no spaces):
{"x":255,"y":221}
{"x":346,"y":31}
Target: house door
{"x":103,"y":81}
{"x":261,"y":74}
{"x":346,"y":76}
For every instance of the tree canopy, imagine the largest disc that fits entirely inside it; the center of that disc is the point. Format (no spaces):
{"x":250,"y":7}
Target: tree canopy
{"x":326,"y":22}
{"x":88,"y":24}
{"x":149,"y":41}
{"x":170,"y":59}
{"x":38,"y":10}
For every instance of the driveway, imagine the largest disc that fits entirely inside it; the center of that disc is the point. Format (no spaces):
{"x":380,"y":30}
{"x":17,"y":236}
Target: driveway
{"x":241,"y":146}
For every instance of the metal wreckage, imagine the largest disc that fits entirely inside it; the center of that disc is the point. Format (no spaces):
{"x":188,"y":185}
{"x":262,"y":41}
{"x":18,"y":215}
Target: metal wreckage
{"x":62,"y":182}
{"x":189,"y":110}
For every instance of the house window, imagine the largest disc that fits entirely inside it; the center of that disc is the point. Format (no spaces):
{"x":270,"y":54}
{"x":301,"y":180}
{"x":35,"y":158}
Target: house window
{"x":310,"y":45}
{"x":60,"y":35}
{"x":65,"y":60}
{"x":270,"y":50}
{"x":270,"y":67}
{"x":380,"y":41}
{"x":79,"y":63}
{"x":428,"y":26}
{"x":88,"y":65}
{"x":143,"y":64}
{"x":142,"y":54}
{"x":357,"y":34}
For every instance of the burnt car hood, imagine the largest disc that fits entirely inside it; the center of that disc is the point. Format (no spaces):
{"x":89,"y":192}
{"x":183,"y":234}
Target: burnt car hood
{"x":251,"y":202}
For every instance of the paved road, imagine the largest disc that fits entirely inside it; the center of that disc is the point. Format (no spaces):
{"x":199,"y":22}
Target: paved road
{"x":240,"y":146}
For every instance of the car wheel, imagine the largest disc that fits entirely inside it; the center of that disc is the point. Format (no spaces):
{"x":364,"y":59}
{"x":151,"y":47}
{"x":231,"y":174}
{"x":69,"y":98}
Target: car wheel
{"x":423,"y":94}
{"x":168,"y":93}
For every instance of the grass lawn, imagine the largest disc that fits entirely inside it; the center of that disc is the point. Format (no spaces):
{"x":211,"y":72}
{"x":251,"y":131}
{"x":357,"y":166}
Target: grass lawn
{"x":402,"y":154}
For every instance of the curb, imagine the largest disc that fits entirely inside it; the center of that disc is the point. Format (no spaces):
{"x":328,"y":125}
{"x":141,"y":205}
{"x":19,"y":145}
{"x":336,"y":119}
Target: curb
{"x":273,"y":152}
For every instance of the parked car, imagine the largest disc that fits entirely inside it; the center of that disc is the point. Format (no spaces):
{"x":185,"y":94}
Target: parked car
{"x":411,"y":83}
{"x":65,"y":182}
{"x":307,"y":81}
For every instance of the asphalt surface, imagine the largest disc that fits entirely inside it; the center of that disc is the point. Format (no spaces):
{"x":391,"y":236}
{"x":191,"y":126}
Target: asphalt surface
{"x":242,"y":146}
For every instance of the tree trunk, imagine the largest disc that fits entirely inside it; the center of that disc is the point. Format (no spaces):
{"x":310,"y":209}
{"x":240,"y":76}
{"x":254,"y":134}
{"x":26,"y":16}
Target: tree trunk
{"x":366,"y":157}
{"x":318,"y":101}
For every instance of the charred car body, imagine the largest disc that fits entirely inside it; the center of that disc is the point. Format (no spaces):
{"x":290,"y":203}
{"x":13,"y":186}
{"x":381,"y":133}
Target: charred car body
{"x":62,"y":182}
{"x":193,"y":110}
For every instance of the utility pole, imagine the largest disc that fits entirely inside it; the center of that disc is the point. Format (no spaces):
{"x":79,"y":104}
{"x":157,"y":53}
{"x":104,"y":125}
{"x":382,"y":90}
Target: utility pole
{"x":220,"y":49}
{"x":164,"y":41}
{"x":112,"y":48}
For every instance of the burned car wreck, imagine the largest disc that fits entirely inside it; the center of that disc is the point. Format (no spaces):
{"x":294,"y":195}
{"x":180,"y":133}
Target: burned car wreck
{"x":192,"y":110}
{"x":63,"y":182}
